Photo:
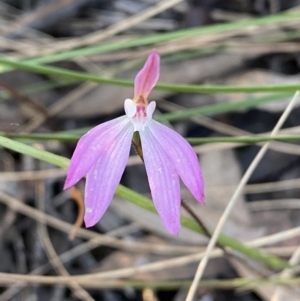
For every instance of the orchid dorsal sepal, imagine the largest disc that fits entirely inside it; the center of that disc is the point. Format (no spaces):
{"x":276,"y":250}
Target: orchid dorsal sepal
{"x":147,"y":77}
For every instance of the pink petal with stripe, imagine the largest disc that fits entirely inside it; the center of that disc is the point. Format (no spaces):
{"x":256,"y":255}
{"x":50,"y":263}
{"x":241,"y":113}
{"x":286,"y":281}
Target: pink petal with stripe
{"x":102,"y":179}
{"x":148,"y":76}
{"x":163,"y":181}
{"x":91,"y":146}
{"x":182,"y":156}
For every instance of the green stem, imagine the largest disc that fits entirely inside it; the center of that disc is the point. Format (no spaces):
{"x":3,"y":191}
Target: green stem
{"x":222,"y":107}
{"x":244,"y":139}
{"x":72,"y":137}
{"x":76,"y":75}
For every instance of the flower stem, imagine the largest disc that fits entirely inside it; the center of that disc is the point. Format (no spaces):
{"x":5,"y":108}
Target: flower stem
{"x":201,"y":224}
{"x":137,"y":145}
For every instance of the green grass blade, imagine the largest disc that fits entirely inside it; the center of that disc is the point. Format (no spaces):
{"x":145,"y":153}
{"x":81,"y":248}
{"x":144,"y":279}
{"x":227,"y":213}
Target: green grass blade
{"x":244,"y":139}
{"x":163,"y":37}
{"x":221,"y":107}
{"x":34,"y":152}
{"x":54,"y":71}
{"x":74,"y":137}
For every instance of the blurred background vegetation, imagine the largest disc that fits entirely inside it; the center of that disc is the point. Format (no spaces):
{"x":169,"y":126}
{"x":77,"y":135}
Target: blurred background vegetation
{"x":229,"y":70}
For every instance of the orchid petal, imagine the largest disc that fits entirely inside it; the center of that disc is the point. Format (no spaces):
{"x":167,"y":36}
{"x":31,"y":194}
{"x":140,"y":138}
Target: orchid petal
{"x":182,"y":156}
{"x":148,"y":76}
{"x":129,"y":107}
{"x":150,"y":109}
{"x":163,"y":181}
{"x":102,"y":179}
{"x":92,"y":145}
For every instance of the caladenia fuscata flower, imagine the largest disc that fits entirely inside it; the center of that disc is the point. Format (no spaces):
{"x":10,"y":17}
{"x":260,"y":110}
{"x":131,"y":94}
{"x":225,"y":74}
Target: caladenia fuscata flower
{"x":102,"y":154}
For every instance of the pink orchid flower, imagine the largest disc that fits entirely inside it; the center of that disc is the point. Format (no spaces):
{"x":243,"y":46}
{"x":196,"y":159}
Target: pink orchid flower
{"x":102,"y":153}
